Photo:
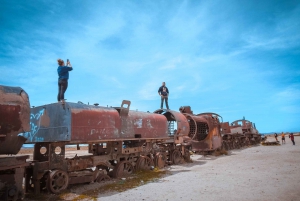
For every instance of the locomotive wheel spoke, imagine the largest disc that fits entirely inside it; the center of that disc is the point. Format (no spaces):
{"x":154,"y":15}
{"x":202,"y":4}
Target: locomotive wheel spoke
{"x":160,"y":160}
{"x":176,"y":157}
{"x":187,"y":155}
{"x":102,"y":177}
{"x":144,"y":163}
{"x":123,"y":169}
{"x":57,"y":181}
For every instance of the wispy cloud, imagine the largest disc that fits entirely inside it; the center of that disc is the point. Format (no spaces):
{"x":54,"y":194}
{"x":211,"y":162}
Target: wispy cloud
{"x":216,"y":56}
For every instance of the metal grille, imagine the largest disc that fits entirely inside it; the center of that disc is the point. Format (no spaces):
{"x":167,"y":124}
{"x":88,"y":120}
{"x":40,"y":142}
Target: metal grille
{"x":202,"y":130}
{"x":192,"y":129}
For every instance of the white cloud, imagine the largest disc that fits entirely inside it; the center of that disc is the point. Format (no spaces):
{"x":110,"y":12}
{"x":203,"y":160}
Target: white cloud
{"x":290,"y":93}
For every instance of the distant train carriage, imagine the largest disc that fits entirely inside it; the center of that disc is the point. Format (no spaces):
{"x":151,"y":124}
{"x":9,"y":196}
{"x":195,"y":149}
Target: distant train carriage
{"x":239,"y":133}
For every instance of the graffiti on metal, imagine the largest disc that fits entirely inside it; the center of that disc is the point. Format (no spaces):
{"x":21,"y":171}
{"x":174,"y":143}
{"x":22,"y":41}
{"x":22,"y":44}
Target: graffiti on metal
{"x":35,"y":123}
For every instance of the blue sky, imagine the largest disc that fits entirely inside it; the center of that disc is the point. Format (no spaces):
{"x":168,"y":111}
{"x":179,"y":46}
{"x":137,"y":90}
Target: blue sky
{"x":234,"y":58}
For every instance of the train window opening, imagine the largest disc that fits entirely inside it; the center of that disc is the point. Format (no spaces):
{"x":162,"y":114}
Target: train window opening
{"x":43,"y":150}
{"x":172,"y":123}
{"x":57,"y":150}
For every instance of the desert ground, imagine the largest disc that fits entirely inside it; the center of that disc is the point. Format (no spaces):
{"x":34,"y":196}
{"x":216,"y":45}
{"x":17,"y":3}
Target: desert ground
{"x":253,"y":173}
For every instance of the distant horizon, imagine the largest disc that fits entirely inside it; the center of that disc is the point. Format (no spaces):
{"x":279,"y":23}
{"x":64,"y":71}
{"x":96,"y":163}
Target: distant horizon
{"x":234,"y":58}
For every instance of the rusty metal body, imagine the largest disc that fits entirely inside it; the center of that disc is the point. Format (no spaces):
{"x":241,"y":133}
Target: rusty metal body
{"x":14,"y":119}
{"x":242,"y":132}
{"x":119,"y":140}
{"x":204,"y":130}
{"x":80,"y":123}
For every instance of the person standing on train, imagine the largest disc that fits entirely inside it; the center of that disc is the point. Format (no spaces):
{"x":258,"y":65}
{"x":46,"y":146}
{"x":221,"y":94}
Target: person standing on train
{"x":163,"y":92}
{"x":63,"y":76}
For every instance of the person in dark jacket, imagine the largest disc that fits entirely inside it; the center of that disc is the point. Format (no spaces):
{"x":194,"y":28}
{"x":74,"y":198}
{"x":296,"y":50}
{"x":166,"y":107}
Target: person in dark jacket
{"x":276,"y":137}
{"x":164,"y":94}
{"x":63,"y":76}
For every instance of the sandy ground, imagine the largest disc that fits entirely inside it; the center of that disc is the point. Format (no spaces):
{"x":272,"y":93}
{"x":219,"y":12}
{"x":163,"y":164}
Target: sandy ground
{"x":254,"y":173}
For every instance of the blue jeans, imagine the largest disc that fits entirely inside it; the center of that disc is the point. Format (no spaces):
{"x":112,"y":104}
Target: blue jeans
{"x":62,"y":87}
{"x":162,"y":102}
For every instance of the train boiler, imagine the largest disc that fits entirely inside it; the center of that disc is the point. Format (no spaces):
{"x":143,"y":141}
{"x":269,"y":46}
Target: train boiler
{"x":120,"y":141}
{"x":204,"y":130}
{"x":14,"y":119}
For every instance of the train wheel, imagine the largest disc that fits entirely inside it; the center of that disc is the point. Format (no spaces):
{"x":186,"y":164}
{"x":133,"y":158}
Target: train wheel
{"x":222,"y":146}
{"x":102,"y":177}
{"x":226,"y":146}
{"x":144,"y":163}
{"x":58,"y":180}
{"x":123,"y":169}
{"x":160,"y":160}
{"x":247,"y":142}
{"x":187,"y":156}
{"x":176,"y":157}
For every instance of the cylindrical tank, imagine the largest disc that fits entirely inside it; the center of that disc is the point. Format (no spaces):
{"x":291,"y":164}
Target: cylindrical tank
{"x":81,"y":123}
{"x":14,"y":118}
{"x":204,"y":130}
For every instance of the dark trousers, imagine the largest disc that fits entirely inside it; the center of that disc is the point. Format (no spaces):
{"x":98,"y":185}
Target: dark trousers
{"x":293,"y":142}
{"x":62,"y":87}
{"x":162,"y":102}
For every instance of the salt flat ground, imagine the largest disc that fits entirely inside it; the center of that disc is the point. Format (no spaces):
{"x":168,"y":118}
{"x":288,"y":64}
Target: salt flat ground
{"x":254,"y":173}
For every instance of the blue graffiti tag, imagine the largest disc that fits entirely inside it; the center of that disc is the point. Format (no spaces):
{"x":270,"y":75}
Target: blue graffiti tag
{"x":35,"y":120}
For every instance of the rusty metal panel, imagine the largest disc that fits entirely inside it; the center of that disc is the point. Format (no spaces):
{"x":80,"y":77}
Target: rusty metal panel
{"x":92,"y":123}
{"x":11,"y":181}
{"x":13,"y":162}
{"x":14,"y":118}
{"x":144,"y":125}
{"x":225,"y":127}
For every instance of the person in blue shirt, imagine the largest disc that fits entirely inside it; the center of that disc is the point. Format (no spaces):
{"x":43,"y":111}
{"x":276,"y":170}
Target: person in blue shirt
{"x":63,"y":76}
{"x":164,"y":94}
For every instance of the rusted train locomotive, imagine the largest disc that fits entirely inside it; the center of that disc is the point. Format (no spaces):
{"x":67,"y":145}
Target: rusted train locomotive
{"x":119,"y":140}
{"x":14,"y":119}
{"x":238,"y":134}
